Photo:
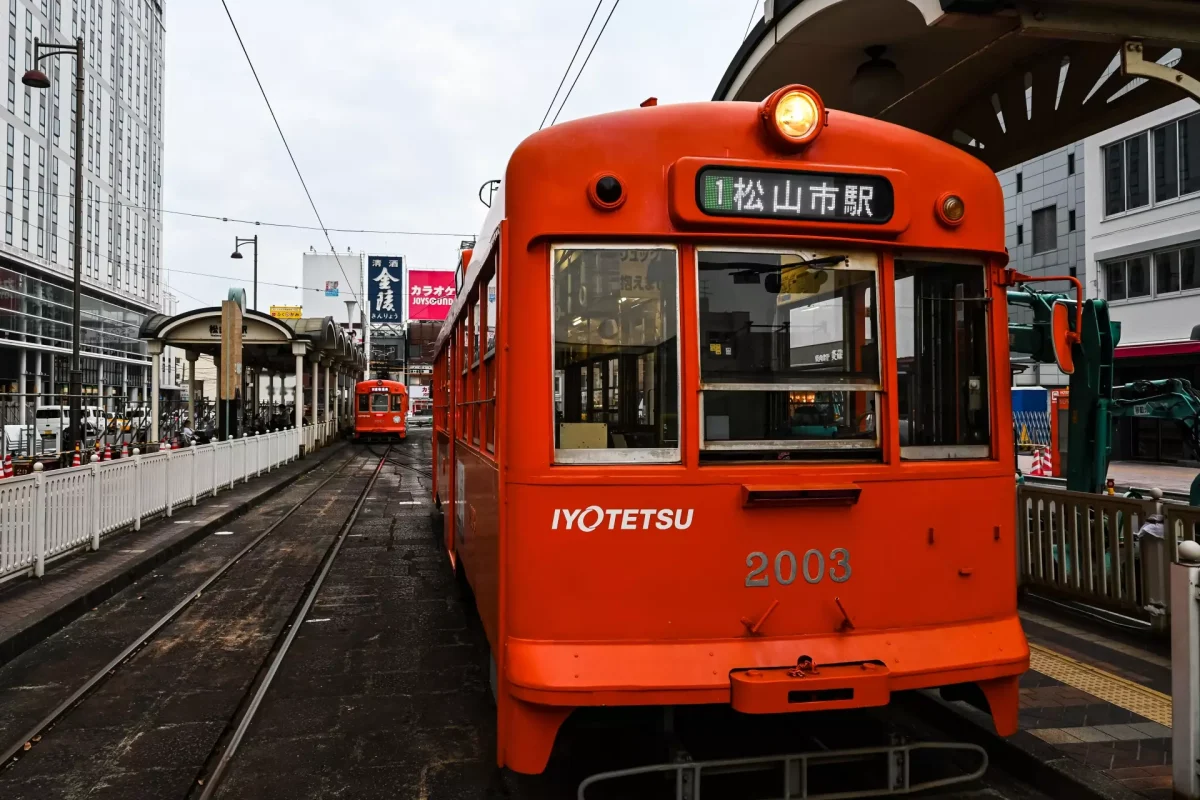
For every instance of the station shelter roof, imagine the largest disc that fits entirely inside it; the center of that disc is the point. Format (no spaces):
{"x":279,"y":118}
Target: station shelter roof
{"x":267,"y":342}
{"x":1006,"y":80}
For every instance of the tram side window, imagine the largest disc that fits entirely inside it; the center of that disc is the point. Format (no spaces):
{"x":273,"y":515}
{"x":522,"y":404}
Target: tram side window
{"x":398,"y":402}
{"x":942,"y":360}
{"x":364,"y":403}
{"x":616,"y":355}
{"x":491,"y":309}
{"x":789,"y":355}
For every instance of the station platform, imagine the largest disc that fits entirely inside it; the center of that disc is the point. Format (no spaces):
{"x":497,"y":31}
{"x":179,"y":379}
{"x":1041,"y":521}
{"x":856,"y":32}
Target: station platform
{"x":31,"y":609}
{"x":1095,"y":711}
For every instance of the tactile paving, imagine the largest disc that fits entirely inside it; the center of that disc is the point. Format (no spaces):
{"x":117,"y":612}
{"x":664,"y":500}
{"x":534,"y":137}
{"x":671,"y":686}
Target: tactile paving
{"x":1126,"y":694}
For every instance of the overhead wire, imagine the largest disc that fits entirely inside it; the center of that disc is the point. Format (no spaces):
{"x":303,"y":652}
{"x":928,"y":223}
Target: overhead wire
{"x":591,"y":50}
{"x":571,"y":63}
{"x":750,"y":24}
{"x":288,"y":147}
{"x":260,"y":223}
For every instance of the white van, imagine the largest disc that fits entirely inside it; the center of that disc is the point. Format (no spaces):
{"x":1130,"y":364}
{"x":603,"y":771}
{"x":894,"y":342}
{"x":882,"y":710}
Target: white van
{"x":50,"y":421}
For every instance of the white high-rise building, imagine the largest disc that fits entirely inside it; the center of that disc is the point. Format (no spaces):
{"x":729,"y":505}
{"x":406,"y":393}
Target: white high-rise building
{"x":122,"y":197}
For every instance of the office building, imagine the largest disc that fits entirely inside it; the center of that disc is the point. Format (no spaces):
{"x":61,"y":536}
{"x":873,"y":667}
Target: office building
{"x":122,"y":199}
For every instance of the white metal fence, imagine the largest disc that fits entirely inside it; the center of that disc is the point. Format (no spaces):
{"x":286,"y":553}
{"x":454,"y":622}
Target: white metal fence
{"x":46,"y":515}
{"x":1107,"y":551}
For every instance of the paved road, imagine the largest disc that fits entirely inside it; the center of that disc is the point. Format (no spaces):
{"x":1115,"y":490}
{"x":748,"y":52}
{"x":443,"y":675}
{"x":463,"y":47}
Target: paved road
{"x":384,"y":693}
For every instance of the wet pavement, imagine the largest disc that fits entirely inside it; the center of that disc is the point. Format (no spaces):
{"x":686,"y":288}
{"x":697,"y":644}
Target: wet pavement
{"x":384,"y":692}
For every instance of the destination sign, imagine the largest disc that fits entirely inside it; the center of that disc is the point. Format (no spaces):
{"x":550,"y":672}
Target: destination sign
{"x":770,"y":194}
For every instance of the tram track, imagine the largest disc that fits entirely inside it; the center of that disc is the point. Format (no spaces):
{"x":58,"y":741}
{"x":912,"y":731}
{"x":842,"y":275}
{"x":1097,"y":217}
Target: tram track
{"x":41,"y":732}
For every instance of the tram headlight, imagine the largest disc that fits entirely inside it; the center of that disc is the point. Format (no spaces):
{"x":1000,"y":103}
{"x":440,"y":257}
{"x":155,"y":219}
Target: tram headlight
{"x":794,"y":115}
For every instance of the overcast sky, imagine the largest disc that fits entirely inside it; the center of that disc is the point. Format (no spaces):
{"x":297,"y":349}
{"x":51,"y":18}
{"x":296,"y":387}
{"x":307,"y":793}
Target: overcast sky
{"x":396,"y":112}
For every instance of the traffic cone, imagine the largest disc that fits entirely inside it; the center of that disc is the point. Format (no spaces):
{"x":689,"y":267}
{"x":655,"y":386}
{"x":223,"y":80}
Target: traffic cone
{"x":7,"y":470}
{"x":125,"y":450}
{"x":107,"y":453}
{"x":75,"y":458}
{"x":1039,"y":464}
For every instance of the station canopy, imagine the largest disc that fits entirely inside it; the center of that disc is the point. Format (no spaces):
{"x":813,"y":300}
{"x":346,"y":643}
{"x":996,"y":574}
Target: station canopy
{"x":266,"y":341}
{"x":1006,"y":80}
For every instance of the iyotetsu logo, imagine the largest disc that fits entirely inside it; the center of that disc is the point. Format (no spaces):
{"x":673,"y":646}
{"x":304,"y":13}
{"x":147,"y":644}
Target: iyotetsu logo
{"x":621,"y":519}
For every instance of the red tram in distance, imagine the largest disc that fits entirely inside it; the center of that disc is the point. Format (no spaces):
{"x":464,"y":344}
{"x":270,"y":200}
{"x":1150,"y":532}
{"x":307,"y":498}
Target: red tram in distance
{"x":719,"y":417}
{"x":380,"y":409}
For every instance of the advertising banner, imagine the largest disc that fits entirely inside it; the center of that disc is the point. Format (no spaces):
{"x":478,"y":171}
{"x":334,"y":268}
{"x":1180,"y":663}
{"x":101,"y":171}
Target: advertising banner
{"x":385,"y":276}
{"x":430,"y":293}
{"x":286,"y":312}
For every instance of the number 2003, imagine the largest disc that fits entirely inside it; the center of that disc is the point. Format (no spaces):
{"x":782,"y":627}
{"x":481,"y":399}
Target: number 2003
{"x":812,"y":566}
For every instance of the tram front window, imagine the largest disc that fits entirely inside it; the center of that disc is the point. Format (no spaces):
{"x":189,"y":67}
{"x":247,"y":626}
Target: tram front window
{"x":789,"y":354}
{"x":616,"y":374}
{"x":379,"y":401}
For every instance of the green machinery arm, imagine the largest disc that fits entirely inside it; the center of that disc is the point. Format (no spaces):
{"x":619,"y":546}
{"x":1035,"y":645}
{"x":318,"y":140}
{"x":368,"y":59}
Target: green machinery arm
{"x":1091,"y":385}
{"x":1095,"y":402}
{"x":1170,"y":399}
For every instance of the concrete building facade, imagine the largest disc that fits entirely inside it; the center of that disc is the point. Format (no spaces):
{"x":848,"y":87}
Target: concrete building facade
{"x":122,"y":198}
{"x":1044,"y":203}
{"x":1143,"y":257}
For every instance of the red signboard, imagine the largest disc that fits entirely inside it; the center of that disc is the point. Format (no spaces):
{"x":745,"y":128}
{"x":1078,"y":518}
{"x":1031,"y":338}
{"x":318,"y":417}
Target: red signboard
{"x":430,"y":293}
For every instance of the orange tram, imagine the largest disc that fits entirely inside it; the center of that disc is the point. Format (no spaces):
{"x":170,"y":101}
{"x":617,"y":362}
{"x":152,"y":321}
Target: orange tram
{"x":380,"y":409}
{"x":719,"y":417}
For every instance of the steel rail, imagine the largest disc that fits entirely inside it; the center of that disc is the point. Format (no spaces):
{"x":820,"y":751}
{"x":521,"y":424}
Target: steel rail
{"x":213,"y":780}
{"x":12,"y":754}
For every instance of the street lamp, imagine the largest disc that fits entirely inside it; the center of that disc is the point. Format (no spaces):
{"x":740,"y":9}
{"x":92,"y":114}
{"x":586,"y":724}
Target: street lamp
{"x":37,"y":79}
{"x":237,"y":254}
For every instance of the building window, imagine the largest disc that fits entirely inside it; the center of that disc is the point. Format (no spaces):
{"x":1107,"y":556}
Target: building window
{"x":1166,"y":272}
{"x":1166,"y":163}
{"x":1070,"y":163}
{"x":1045,"y":229}
{"x":1162,"y":273}
{"x":1020,"y":183}
{"x":1071,"y":220}
{"x":1020,"y":234}
{"x":1126,"y":280}
{"x":1189,"y":155}
{"x":1126,"y":175}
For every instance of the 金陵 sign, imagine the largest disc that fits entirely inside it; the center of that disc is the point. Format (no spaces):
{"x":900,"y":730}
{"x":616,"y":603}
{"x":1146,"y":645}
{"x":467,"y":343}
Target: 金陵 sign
{"x":286,"y":312}
{"x":430,"y":294}
{"x":385,"y":283}
{"x":770,"y":194}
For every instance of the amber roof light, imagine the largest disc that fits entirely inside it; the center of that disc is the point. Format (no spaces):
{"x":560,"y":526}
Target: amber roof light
{"x":794,"y":115}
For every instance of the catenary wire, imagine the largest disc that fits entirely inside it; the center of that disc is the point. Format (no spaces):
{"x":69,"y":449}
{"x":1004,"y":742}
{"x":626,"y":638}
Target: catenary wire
{"x":591,"y":50}
{"x":288,"y":147}
{"x":571,"y":63}
{"x":255,"y":222}
{"x":750,"y":24}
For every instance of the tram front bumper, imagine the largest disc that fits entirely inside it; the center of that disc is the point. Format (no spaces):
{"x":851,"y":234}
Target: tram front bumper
{"x":854,"y":669}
